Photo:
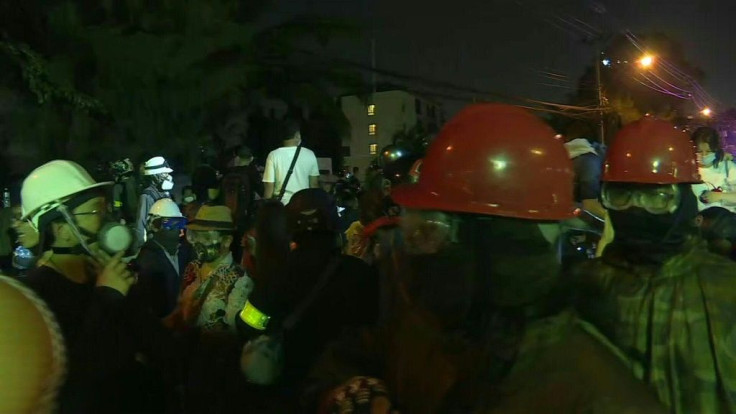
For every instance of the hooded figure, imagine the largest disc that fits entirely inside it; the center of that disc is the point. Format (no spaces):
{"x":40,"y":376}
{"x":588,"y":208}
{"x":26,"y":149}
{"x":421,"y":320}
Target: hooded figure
{"x":657,"y":293}
{"x":480,"y":322}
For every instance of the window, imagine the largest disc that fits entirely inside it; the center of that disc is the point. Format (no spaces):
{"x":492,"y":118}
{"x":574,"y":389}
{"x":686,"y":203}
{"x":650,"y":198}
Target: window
{"x":418,"y":105}
{"x":373,"y":149}
{"x":372,"y":129}
{"x":371,"y":110}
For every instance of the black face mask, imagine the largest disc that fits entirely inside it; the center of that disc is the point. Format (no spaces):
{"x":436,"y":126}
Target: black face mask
{"x":644,"y":236}
{"x":169,"y":239}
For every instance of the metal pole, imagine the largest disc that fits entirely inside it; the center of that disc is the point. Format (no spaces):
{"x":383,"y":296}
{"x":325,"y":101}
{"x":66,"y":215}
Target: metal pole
{"x":601,"y":126}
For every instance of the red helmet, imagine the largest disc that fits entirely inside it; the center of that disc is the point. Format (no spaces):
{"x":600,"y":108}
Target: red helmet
{"x":494,"y":159}
{"x":651,"y":151}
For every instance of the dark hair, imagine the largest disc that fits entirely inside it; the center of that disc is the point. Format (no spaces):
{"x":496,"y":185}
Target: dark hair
{"x":719,"y":223}
{"x":711,"y":137}
{"x":244,"y":152}
{"x":288,"y":128}
{"x":580,"y":129}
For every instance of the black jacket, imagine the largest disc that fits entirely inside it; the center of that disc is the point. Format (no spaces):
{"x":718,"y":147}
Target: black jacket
{"x":158,"y":279}
{"x":104,"y":332}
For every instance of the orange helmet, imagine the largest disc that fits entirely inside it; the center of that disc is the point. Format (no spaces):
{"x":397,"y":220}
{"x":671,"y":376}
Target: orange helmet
{"x":651,"y":151}
{"x":494,"y":159}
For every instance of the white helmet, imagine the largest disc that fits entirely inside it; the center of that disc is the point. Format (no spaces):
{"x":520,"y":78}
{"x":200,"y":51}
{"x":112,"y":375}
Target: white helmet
{"x":51,"y":184}
{"x":165,"y":207}
{"x":156,"y":165}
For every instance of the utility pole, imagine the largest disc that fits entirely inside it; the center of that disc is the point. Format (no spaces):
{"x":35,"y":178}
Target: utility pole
{"x":601,"y":99}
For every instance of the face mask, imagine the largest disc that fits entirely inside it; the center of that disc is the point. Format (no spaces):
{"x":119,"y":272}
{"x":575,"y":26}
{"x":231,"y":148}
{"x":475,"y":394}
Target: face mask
{"x":654,"y":237}
{"x":207,"y":253}
{"x":168,"y":184}
{"x":169,"y":239}
{"x":189,"y":199}
{"x":112,"y":237}
{"x":709,"y":159}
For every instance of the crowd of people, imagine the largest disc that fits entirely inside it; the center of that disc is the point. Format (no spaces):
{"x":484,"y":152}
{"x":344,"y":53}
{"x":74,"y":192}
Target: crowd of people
{"x":454,"y":283}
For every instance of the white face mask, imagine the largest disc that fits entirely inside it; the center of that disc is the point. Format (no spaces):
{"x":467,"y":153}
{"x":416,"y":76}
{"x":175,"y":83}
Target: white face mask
{"x":168,"y":184}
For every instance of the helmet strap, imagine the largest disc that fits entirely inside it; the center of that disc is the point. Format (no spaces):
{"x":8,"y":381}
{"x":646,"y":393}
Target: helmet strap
{"x":78,"y":232}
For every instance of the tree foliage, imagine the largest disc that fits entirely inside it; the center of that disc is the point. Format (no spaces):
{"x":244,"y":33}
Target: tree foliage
{"x":132,"y":77}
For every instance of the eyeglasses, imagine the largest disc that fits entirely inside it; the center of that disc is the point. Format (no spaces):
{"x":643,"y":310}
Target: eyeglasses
{"x":656,"y":199}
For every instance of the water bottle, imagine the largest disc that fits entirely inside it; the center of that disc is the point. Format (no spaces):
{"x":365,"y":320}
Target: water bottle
{"x":6,"y":198}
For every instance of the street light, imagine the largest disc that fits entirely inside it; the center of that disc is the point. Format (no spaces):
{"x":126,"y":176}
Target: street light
{"x":646,"y":61}
{"x":706,"y":111}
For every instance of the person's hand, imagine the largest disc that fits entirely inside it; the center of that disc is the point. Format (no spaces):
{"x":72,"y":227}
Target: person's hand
{"x":711,"y":197}
{"x":112,"y":272}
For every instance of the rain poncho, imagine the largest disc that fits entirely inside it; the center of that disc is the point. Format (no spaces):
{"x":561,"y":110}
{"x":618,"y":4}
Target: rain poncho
{"x":675,"y":322}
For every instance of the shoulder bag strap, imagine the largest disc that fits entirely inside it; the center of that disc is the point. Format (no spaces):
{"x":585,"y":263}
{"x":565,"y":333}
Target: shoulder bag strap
{"x":288,"y":174}
{"x":297,"y":314}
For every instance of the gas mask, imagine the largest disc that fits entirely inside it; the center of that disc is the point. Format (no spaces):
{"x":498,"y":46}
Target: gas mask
{"x":168,"y":183}
{"x":207,"y":245}
{"x":112,"y":237}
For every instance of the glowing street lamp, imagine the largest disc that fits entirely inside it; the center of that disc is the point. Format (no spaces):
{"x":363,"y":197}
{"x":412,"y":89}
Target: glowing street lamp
{"x":646,"y":61}
{"x":706,"y":111}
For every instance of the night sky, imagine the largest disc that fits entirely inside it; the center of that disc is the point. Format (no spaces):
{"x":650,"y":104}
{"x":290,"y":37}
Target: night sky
{"x":506,"y":45}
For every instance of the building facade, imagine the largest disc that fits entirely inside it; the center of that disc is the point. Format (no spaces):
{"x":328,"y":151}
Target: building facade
{"x":376,"y":118}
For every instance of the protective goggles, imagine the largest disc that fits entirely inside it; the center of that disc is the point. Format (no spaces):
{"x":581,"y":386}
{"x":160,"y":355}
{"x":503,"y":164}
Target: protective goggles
{"x":171,"y":223}
{"x":656,"y":199}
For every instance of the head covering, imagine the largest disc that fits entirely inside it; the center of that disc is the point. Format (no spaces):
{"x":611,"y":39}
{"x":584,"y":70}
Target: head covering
{"x":312,"y":210}
{"x":156,"y":165}
{"x":245,"y":152}
{"x":212,"y":218}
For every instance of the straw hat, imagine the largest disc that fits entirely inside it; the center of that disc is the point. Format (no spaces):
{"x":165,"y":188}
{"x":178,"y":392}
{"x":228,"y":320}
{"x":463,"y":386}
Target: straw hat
{"x":212,"y":218}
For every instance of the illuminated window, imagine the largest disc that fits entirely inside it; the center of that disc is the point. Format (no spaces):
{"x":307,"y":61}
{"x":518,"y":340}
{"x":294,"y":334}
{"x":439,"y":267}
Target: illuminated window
{"x":372,"y":129}
{"x":371,"y":110}
{"x":373,"y":148}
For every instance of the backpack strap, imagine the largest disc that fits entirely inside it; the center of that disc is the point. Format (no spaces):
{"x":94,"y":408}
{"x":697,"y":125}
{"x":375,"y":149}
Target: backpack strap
{"x":298,"y":312}
{"x":288,"y":174}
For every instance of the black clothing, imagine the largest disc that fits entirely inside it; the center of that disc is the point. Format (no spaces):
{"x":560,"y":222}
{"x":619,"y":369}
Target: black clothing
{"x":158,"y":278}
{"x":204,"y":177}
{"x":349,"y":300}
{"x":103,"y":331}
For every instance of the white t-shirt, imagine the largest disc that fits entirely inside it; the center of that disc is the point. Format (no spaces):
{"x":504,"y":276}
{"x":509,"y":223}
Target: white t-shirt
{"x":277,"y":166}
{"x":723,"y":176}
